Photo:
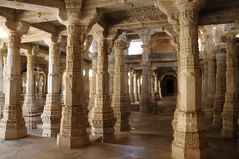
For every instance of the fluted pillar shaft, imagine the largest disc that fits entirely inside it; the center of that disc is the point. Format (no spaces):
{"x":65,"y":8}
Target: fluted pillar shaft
{"x":230,"y":108}
{"x":31,"y":111}
{"x":103,"y":114}
{"x":73,"y":125}
{"x":12,"y":125}
{"x":120,"y":101}
{"x":220,"y":87}
{"x":189,"y":137}
{"x":52,"y":110}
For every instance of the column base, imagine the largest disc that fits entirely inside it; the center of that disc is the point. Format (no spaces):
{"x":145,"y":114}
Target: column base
{"x":229,"y":115}
{"x":103,"y":123}
{"x":51,"y":116}
{"x":217,"y":121}
{"x":189,"y":153}
{"x":122,"y":122}
{"x":31,"y":112}
{"x":72,"y":142}
{"x":208,"y":115}
{"x":9,"y":131}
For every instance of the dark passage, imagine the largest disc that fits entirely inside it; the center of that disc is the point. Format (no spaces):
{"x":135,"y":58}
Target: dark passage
{"x":168,"y":85}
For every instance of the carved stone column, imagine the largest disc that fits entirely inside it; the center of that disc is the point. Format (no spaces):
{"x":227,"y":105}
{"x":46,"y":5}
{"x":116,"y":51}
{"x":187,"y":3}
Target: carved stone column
{"x":73,"y":125}
{"x":211,"y":85}
{"x":111,"y":73}
{"x":230,"y":109}
{"x":205,"y":81}
{"x":131,"y":87}
{"x":120,"y":102}
{"x":3,"y":51}
{"x":12,"y":125}
{"x":139,"y":85}
{"x":93,"y":85}
{"x":31,"y":111}
{"x":156,"y":85}
{"x":189,"y":136}
{"x":102,"y":112}
{"x":136,"y":95}
{"x":220,"y":87}
{"x":52,"y":110}
{"x":145,"y":93}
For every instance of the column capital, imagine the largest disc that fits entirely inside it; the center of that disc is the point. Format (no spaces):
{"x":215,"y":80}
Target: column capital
{"x":145,"y":35}
{"x":17,"y":27}
{"x":122,"y":42}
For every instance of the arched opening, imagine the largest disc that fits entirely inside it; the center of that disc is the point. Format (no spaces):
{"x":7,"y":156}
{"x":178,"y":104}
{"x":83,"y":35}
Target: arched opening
{"x":168,"y":85}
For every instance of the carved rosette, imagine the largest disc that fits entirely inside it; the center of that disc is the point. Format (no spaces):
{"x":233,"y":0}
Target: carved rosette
{"x":73,"y":122}
{"x":231,"y":105}
{"x":189,"y":138}
{"x":120,"y":102}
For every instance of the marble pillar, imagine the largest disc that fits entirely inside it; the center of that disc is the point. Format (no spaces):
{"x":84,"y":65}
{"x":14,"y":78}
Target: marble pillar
{"x":136,"y":95}
{"x":12,"y":125}
{"x":52,"y":110}
{"x":31,"y":111}
{"x":120,"y":102}
{"x":131,"y":86}
{"x":145,"y":93}
{"x":73,"y":125}
{"x":211,"y":85}
{"x":92,"y":87}
{"x":189,"y":136}
{"x":156,"y":85}
{"x":220,"y":86}
{"x":102,"y":112}
{"x":3,"y":51}
{"x":205,"y":81}
{"x":230,"y":108}
{"x":111,"y":73}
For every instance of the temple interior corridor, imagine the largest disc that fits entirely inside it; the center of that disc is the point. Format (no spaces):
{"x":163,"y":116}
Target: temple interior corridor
{"x":119,"y":79}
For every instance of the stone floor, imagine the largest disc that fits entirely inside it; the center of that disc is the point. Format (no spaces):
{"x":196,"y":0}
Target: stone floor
{"x":150,"y":138}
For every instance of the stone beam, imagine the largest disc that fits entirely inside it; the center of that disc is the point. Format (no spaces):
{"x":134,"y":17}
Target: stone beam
{"x":33,"y":38}
{"x":218,"y":16}
{"x":36,"y":5}
{"x":37,"y":17}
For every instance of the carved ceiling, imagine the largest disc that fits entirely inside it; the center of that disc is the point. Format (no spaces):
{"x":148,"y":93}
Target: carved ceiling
{"x":117,"y":14}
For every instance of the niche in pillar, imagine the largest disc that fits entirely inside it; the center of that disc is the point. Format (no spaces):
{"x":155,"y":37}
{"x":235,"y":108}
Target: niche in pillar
{"x":168,"y":85}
